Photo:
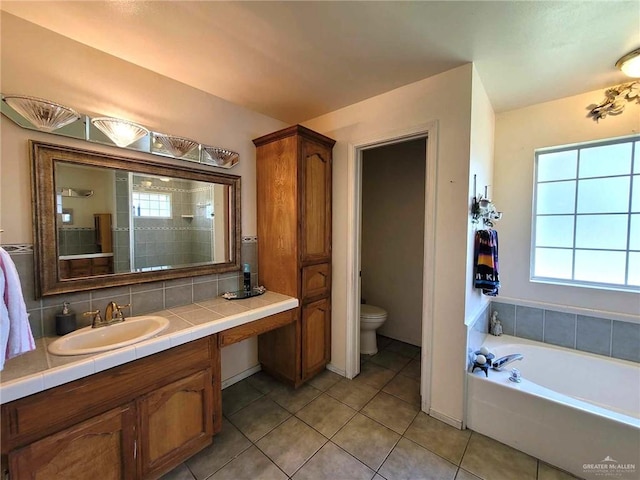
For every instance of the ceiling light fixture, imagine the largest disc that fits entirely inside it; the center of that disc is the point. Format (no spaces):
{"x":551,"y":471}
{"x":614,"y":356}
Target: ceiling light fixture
{"x":121,"y":132}
{"x":178,"y":146}
{"x":43,"y":114}
{"x":219,"y":157}
{"x":630,"y":64}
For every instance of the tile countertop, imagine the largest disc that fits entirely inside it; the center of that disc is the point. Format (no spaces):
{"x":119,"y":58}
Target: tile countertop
{"x":38,"y":370}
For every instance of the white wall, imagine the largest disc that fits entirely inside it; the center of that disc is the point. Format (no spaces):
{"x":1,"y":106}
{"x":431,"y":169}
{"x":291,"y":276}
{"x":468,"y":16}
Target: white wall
{"x":518,"y":134}
{"x":480,"y":165}
{"x":445,"y":98}
{"x":40,"y":63}
{"x":393,"y":198}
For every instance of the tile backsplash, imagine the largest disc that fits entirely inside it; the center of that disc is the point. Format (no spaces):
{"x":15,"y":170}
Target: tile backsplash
{"x":612,"y":338}
{"x":144,"y":297}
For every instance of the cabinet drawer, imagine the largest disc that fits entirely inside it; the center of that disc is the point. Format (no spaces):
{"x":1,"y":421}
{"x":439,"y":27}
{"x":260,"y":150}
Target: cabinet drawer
{"x":316,"y":281}
{"x":242,"y":332}
{"x":41,"y":414}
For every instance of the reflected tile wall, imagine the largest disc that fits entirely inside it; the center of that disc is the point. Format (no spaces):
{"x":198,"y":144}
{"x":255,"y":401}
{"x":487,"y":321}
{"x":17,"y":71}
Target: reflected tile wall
{"x":603,"y":336}
{"x":144,"y":298}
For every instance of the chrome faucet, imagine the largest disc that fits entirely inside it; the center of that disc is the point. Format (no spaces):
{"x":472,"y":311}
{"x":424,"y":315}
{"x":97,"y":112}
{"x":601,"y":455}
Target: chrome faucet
{"x":502,"y":362}
{"x":113,"y":314}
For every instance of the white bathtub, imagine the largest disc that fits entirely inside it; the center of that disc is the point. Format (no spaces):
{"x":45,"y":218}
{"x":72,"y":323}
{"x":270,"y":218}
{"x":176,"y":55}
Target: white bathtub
{"x":575,"y":410}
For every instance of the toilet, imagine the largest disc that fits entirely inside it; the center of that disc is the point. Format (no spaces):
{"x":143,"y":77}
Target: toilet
{"x":371,"y":318}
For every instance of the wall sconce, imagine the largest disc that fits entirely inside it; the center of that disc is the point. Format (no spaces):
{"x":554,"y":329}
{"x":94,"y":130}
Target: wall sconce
{"x":121,"y":132}
{"x":630,"y":64}
{"x":219,"y":157}
{"x":45,"y":115}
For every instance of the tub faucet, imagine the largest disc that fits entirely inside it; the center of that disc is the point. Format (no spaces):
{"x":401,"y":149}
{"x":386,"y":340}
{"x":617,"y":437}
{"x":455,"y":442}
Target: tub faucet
{"x":502,"y":362}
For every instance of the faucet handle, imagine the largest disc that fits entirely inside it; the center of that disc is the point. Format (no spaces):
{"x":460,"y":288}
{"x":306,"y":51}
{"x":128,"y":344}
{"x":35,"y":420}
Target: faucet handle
{"x":515,"y":375}
{"x":119,"y":308}
{"x":96,"y":320}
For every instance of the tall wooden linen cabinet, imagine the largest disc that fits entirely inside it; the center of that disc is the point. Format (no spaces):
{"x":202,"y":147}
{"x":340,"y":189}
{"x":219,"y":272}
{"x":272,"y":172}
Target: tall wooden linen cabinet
{"x":294,"y":248}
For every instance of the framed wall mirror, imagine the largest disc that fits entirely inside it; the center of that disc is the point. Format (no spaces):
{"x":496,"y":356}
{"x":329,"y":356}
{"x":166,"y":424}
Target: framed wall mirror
{"x":133,"y":220}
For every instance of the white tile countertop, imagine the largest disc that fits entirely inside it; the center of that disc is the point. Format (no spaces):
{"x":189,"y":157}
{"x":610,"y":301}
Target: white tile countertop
{"x":39,"y":370}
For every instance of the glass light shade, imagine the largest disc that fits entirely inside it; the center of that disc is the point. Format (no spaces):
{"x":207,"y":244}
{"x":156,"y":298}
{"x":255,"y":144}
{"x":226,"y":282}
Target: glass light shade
{"x":178,"y":146}
{"x":43,"y":114}
{"x":630,"y":64}
{"x":121,"y":132}
{"x":220,"y":157}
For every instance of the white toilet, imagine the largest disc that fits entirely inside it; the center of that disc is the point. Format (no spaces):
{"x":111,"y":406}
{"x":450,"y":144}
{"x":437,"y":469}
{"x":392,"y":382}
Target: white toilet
{"x":371,"y":318}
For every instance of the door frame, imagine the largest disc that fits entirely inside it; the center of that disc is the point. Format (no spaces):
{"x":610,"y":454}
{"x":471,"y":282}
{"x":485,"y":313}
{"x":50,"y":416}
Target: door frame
{"x":428,"y":131}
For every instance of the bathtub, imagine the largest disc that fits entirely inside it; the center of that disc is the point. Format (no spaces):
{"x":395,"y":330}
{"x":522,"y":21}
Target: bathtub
{"x":574,"y":410}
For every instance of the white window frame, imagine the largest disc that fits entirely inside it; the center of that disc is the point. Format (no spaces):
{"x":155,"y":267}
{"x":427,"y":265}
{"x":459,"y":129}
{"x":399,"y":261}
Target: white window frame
{"x":635,"y":161}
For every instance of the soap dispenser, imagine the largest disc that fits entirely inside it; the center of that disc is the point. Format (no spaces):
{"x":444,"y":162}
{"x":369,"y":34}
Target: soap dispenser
{"x":65,"y":321}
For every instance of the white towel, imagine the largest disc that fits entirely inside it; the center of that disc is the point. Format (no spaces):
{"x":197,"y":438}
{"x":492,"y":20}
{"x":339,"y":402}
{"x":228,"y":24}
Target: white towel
{"x":15,"y":331}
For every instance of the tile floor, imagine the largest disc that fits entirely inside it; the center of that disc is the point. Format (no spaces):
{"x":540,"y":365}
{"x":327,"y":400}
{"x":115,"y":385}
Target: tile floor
{"x":338,"y":429}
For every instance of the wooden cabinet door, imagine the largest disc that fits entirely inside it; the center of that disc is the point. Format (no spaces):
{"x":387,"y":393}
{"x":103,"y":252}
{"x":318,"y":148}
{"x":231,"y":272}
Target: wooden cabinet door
{"x":102,"y":447}
{"x":316,"y":337}
{"x":176,"y":421}
{"x":315,"y":202}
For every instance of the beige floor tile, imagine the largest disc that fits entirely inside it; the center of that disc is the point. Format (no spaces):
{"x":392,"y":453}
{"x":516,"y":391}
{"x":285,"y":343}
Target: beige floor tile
{"x":259,"y":418}
{"x":238,"y":396}
{"x":374,"y":375}
{"x":181,"y":472}
{"x":333,"y":463}
{"x":493,"y":460}
{"x":366,"y":440}
{"x":404,"y":349}
{"x":548,"y":472}
{"x":409,"y":460}
{"x":227,"y":445}
{"x":251,"y":464}
{"x":263,"y":382}
{"x":291,"y":444}
{"x":405,"y":388}
{"x":391,"y":412}
{"x":325,"y":380}
{"x":294,"y":399}
{"x":412,"y":369}
{"x":351,"y":393}
{"x":464,"y":475}
{"x":438,"y":437}
{"x":326,"y":414}
{"x":391,"y":360}
{"x":383,"y":342}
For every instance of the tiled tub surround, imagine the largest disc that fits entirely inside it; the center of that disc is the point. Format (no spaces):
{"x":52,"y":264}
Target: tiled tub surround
{"x":144,"y":298}
{"x":612,"y":338}
{"x":36,"y":371}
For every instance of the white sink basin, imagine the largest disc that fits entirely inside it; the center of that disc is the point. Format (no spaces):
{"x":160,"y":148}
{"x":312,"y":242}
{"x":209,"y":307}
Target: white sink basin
{"x":95,"y":340}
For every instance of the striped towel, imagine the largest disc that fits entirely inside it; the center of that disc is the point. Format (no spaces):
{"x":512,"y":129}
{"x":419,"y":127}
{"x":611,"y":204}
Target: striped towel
{"x":486,"y":262}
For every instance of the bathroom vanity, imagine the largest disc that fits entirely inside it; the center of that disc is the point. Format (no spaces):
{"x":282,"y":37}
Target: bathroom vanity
{"x":142,"y":411}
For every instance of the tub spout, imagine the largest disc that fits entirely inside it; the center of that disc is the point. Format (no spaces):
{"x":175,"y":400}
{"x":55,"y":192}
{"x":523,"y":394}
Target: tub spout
{"x":502,"y":362}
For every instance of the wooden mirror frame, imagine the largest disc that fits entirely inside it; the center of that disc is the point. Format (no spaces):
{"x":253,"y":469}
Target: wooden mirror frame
{"x":43,"y":158}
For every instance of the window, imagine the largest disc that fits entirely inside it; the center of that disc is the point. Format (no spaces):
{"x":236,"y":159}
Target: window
{"x":586,"y":222}
{"x":154,"y":205}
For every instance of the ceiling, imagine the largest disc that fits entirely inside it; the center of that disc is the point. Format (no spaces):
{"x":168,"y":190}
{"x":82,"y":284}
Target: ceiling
{"x":297,"y":60}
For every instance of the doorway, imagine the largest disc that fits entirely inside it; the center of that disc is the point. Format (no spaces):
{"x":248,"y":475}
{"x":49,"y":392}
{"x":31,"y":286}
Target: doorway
{"x":427,"y":134}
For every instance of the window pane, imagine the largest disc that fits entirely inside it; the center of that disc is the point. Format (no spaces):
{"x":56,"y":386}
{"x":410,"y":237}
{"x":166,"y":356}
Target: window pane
{"x":557,"y":166}
{"x":556,"y":231}
{"x":634,"y":235}
{"x":636,"y":161}
{"x":557,"y":197}
{"x":601,"y":231}
{"x":603,"y":195}
{"x":601,"y":267}
{"x":605,"y":160}
{"x":635,"y":201}
{"x":553,"y":263}
{"x":634,"y":269}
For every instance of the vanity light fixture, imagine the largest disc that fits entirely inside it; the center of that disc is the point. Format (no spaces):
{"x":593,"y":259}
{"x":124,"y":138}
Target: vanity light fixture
{"x":219,"y":157}
{"x":43,"y":114}
{"x":630,"y":63}
{"x":178,"y":146}
{"x":121,"y":132}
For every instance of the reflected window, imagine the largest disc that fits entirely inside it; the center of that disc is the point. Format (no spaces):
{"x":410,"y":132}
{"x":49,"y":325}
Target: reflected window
{"x":151,"y":205}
